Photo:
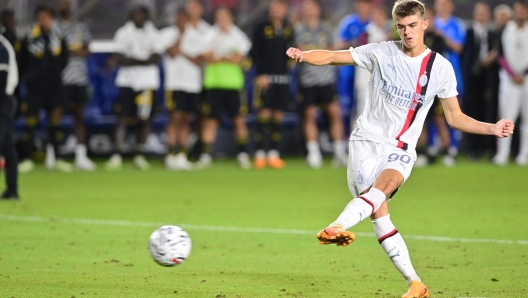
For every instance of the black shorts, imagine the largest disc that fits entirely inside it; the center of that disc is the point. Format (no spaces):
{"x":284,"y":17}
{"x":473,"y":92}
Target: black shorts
{"x":182,"y":101}
{"x":317,"y":95}
{"x":276,"y":97}
{"x":436,"y":109}
{"x":223,"y":100}
{"x":75,"y":95}
{"x":37,"y":100}
{"x":134,"y":104}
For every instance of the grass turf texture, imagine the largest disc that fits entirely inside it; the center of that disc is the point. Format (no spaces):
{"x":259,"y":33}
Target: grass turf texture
{"x":56,"y":259}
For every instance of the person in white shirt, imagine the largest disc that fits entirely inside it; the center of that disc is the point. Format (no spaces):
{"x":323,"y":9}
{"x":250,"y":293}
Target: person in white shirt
{"x":405,"y":77}
{"x":226,"y":48}
{"x":513,"y":88}
{"x":138,"y":51}
{"x":184,"y":47}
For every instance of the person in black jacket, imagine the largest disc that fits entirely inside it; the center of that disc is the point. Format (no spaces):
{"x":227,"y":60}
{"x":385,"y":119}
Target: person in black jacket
{"x":8,"y":84}
{"x":477,"y":57}
{"x":43,"y":56}
{"x":271,"y":39}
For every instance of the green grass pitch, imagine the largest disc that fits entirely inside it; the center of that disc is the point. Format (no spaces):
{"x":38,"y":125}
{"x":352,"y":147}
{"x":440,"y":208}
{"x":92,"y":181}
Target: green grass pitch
{"x":55,"y":254}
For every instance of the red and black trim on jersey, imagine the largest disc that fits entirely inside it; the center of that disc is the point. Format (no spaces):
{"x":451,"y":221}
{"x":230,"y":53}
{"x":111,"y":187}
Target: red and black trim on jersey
{"x":425,"y":70}
{"x":388,"y":235}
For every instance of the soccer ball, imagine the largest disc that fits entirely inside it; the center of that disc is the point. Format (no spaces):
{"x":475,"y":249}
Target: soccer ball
{"x":170,"y":245}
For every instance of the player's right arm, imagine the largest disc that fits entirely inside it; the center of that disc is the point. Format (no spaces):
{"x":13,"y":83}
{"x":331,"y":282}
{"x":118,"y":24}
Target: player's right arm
{"x":321,"y":57}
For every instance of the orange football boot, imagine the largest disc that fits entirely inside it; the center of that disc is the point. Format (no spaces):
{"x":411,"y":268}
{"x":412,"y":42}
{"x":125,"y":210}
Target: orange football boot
{"x":259,"y":163}
{"x":416,"y":290}
{"x":276,"y":163}
{"x":335,"y":234}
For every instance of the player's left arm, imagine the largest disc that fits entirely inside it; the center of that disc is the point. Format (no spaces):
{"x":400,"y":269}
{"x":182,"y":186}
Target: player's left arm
{"x":460,"y":121}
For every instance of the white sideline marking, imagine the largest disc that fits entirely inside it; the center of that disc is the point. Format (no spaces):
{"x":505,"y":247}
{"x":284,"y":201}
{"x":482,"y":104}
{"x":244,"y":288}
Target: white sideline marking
{"x":126,"y":223}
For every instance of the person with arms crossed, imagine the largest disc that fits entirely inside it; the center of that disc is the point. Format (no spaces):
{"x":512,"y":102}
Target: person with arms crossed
{"x":8,"y":84}
{"x":405,"y":78}
{"x":272,"y":84}
{"x":43,"y":57}
{"x":318,"y":86}
{"x":75,"y":79}
{"x":138,"y":52}
{"x":227,"y":46}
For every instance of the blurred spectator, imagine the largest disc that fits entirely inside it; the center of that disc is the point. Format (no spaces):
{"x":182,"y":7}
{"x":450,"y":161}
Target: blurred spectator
{"x":502,"y":14}
{"x":318,"y":86}
{"x":435,"y":115}
{"x":43,"y":57}
{"x":477,"y":58}
{"x":9,"y":29}
{"x":378,"y":30}
{"x":227,"y":46}
{"x":8,"y":83}
{"x":138,"y":48}
{"x":514,"y":82}
{"x":453,"y":31}
{"x":75,"y":79}
{"x":350,"y":29}
{"x":271,"y":39}
{"x":184,"y":47}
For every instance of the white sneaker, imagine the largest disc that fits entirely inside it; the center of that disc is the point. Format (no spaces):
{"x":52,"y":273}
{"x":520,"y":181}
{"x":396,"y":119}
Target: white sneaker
{"x":522,"y":160}
{"x":204,"y":161}
{"x":314,"y":160}
{"x":340,"y":161}
{"x":170,"y":162}
{"x":449,"y":161}
{"x":115,"y":163}
{"x":244,"y":161}
{"x":141,"y":162}
{"x":62,"y":166}
{"x":50,"y":160}
{"x":421,"y":161}
{"x":500,"y":161}
{"x":182,"y":162}
{"x":26,"y":166}
{"x":84,"y":164}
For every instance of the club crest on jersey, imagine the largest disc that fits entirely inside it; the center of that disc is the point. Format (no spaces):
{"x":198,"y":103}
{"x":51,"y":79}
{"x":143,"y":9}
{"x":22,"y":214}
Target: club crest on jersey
{"x":423,"y":79}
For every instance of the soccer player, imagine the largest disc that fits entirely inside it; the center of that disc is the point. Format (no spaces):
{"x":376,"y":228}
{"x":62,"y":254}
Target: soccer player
{"x":272,"y":84}
{"x":138,"y":50}
{"x":226,"y":48}
{"x":43,"y":57}
{"x":8,"y":83}
{"x":318,"y":86}
{"x":183,"y":84}
{"x":405,"y":78}
{"x":75,"y":79}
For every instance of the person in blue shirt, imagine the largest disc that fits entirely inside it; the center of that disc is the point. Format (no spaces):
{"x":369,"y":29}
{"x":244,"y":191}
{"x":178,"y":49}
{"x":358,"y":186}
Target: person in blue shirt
{"x":453,"y":30}
{"x":350,"y":30}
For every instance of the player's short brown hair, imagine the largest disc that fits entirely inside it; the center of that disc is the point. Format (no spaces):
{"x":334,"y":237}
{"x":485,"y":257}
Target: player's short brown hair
{"x":405,"y":8}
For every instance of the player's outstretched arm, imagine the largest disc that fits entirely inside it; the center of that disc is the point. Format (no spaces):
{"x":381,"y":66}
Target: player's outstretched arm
{"x":321,"y":57}
{"x":460,"y":121}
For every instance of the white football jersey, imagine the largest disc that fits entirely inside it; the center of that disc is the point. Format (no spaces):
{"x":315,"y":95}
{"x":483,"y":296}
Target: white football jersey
{"x":400,"y":91}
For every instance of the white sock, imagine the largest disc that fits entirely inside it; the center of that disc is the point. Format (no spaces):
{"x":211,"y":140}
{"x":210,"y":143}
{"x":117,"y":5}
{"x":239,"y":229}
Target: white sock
{"x":313,"y":147}
{"x":80,"y":151}
{"x":392,"y":242}
{"x":360,"y":208}
{"x":339,"y":148}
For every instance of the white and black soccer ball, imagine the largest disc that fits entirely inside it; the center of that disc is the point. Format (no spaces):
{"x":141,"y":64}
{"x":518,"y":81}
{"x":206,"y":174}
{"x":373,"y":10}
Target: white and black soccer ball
{"x":170,"y":245}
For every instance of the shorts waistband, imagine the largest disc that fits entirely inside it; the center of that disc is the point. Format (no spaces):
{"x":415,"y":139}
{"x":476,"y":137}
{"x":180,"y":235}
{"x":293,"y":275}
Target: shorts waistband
{"x":361,"y":132}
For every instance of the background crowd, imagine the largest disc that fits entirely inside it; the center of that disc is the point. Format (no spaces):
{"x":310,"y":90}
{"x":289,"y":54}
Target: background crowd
{"x":178,"y":89}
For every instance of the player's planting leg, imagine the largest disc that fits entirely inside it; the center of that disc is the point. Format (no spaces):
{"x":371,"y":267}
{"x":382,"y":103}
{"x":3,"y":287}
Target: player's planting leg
{"x":392,"y":243}
{"x":274,"y":160}
{"x":261,"y":127}
{"x":356,"y":211}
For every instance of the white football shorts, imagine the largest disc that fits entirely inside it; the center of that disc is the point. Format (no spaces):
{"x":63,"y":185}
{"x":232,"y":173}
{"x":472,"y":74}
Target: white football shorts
{"x":367,"y":159}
